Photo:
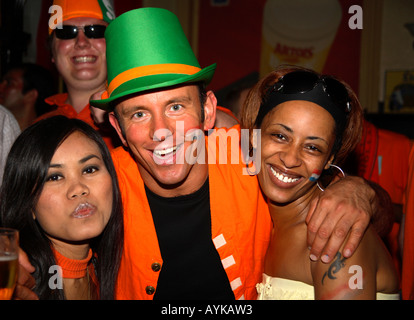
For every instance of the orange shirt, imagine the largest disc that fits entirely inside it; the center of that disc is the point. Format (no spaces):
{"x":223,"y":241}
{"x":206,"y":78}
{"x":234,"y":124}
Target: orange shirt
{"x":241,"y":227}
{"x":110,"y":136}
{"x":383,"y":158}
{"x":408,"y":251}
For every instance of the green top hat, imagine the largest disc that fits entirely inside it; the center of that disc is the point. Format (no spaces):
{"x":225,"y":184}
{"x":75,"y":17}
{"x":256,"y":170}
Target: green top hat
{"x":147,"y":49}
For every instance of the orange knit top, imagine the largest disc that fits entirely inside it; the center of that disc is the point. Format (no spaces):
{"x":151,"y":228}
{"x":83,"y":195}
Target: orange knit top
{"x":75,"y":269}
{"x":71,"y":268}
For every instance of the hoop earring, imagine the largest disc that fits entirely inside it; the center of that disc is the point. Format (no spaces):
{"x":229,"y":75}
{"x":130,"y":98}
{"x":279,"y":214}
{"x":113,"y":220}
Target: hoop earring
{"x":248,"y":169}
{"x":336,"y":167}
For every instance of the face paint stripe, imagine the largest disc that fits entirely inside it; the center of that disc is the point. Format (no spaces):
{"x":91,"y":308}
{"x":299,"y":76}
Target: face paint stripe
{"x":315,"y":175}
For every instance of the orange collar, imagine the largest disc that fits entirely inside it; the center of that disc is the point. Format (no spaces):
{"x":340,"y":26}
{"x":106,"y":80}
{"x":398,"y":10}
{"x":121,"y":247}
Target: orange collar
{"x":71,"y":268}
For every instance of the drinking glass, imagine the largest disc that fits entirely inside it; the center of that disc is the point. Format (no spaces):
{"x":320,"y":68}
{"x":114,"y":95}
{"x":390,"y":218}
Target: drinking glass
{"x":9,"y":246}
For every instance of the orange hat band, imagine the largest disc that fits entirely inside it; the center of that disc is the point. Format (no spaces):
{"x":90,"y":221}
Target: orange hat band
{"x":174,"y":68}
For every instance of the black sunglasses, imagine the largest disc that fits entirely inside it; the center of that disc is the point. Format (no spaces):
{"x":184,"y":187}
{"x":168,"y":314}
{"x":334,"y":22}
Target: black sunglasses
{"x":303,"y":81}
{"x":94,"y":31}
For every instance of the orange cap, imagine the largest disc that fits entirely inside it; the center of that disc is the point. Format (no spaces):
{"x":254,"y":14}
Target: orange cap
{"x":98,"y":9}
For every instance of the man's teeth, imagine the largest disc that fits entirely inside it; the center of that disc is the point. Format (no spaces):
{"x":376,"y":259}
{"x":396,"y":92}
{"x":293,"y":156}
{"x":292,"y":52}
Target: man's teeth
{"x":85,"y":59}
{"x":282,"y":177}
{"x":164,"y":152}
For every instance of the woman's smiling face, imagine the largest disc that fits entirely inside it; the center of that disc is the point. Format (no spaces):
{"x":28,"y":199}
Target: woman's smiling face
{"x":296,"y":143}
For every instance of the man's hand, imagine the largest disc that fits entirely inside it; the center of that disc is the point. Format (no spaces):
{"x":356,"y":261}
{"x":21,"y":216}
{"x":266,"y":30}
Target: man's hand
{"x":98,"y":115}
{"x":342,"y":212}
{"x":25,"y":281}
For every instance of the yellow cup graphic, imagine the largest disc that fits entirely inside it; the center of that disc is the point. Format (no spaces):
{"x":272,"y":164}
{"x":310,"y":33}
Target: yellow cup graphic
{"x":298,"y":32}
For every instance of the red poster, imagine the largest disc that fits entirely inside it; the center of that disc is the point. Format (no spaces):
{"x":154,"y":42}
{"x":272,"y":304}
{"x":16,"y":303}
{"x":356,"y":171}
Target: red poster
{"x":247,"y":36}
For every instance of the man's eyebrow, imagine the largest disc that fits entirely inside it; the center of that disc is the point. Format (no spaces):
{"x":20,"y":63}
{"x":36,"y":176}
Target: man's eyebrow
{"x":128,"y":110}
{"x":178,"y":99}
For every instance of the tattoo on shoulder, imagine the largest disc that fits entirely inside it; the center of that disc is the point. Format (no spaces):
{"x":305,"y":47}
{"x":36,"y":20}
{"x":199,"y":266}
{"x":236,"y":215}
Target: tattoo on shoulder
{"x":336,"y":266}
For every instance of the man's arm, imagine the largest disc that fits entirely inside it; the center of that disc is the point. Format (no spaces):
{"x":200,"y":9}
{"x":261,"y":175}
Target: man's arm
{"x":346,"y":206}
{"x":385,"y":213}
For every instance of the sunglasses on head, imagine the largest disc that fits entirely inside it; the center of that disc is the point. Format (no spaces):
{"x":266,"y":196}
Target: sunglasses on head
{"x":94,"y":31}
{"x":325,"y":91}
{"x":303,"y":81}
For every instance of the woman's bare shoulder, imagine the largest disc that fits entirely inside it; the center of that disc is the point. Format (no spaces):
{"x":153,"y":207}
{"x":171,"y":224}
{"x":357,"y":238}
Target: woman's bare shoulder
{"x":360,"y":276}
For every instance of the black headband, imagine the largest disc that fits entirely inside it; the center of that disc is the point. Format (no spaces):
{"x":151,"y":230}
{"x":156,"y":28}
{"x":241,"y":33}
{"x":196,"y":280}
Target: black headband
{"x":317,"y":95}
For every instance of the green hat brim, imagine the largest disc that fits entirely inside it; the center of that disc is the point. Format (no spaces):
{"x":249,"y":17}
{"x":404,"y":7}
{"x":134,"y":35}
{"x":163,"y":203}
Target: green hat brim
{"x":151,"y":82}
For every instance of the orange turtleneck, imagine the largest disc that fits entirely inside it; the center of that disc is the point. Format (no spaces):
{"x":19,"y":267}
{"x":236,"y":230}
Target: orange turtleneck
{"x":71,"y":268}
{"x":75,"y":269}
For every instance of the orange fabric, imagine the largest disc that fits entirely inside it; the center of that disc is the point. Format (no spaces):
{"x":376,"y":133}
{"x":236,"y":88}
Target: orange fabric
{"x":383,"y":158}
{"x":104,"y":95}
{"x":76,"y":269}
{"x":150,"y":70}
{"x":392,"y":172}
{"x":408,"y":251}
{"x":241,"y":227}
{"x":71,"y":268}
{"x":78,"y":9}
{"x":394,"y":148}
{"x":67,"y":110}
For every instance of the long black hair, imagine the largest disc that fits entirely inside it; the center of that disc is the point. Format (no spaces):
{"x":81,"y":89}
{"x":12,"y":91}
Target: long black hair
{"x":24,"y":177}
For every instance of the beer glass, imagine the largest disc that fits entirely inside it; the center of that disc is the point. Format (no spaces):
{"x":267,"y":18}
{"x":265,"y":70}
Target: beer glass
{"x":9,"y":246}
